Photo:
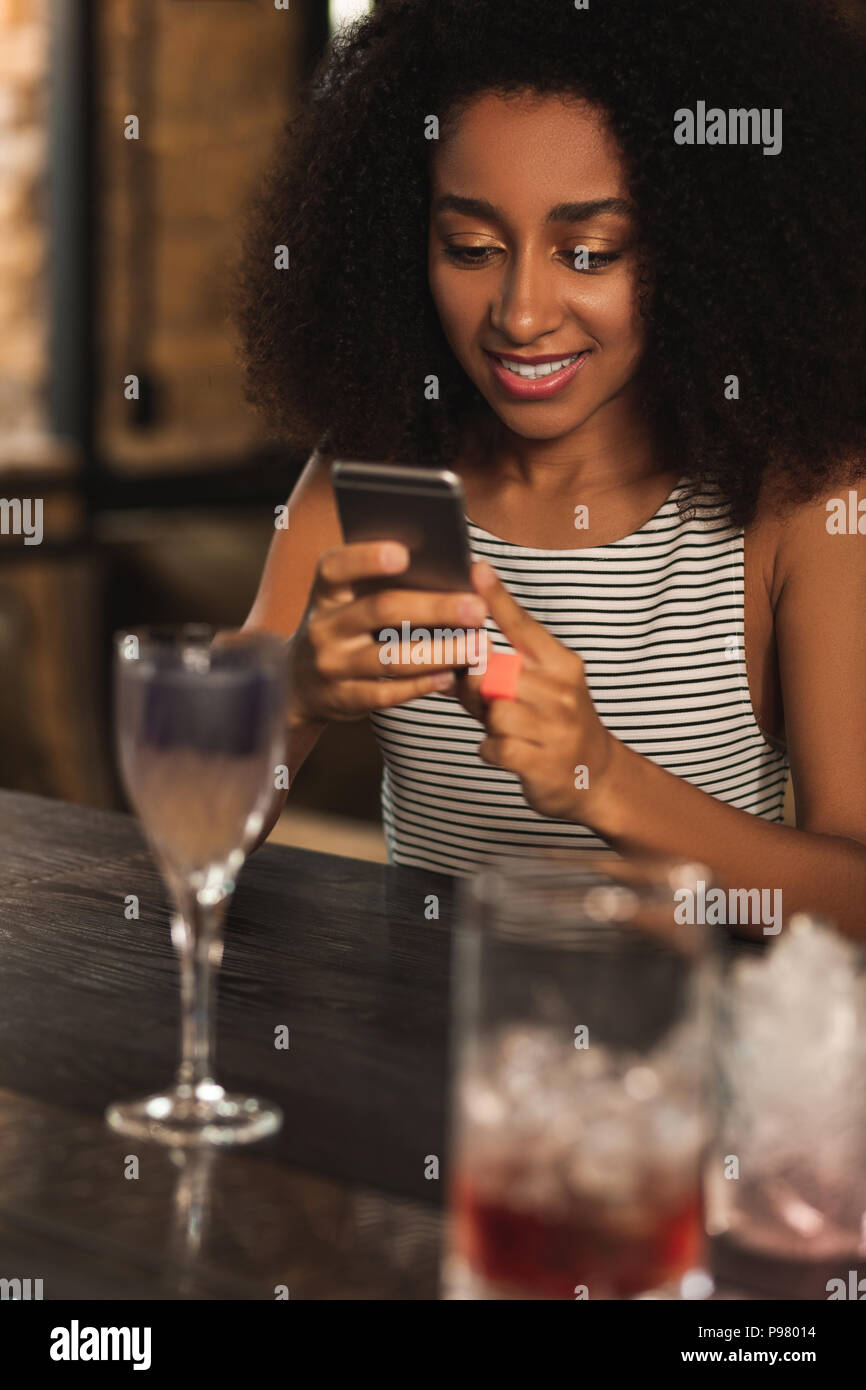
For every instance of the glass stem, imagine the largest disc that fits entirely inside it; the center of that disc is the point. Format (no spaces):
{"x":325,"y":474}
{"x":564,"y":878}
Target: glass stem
{"x":196,"y":932}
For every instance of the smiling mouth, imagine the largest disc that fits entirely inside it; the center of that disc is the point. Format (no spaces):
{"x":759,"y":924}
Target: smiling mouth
{"x":538,"y":370}
{"x":539,"y":380}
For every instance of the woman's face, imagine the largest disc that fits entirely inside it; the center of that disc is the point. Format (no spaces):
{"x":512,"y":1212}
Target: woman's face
{"x":517,"y":190}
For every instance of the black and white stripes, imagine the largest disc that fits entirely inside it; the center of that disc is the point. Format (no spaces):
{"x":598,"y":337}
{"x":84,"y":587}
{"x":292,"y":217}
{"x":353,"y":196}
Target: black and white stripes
{"x":658,"y":620}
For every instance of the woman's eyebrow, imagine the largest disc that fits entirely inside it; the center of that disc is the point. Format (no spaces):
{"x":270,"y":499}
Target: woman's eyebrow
{"x":562,"y":212}
{"x":583,"y":212}
{"x":470,"y":207}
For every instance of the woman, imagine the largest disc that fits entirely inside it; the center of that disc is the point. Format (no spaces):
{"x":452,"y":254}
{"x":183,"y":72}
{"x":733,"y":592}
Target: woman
{"x":478,"y":189}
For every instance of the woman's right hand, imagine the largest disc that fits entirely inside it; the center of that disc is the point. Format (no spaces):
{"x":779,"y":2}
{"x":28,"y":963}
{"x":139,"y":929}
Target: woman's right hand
{"x":336,"y":666}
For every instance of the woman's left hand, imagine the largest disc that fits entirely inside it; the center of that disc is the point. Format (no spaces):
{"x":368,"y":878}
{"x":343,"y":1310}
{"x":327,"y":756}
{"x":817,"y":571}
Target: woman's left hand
{"x":549,"y":735}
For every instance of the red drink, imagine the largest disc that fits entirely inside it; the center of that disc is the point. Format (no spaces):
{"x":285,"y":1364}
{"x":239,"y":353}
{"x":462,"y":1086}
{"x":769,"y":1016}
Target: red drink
{"x":535,"y":1254}
{"x":579,"y":1118}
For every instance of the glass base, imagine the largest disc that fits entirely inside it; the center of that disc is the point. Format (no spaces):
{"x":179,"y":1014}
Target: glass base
{"x":196,"y":1117}
{"x":461,"y":1282}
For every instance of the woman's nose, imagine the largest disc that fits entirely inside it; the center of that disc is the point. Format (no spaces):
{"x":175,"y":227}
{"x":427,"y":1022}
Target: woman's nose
{"x":527,"y":304}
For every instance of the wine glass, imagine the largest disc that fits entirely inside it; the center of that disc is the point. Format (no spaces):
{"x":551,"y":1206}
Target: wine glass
{"x":201,"y":729}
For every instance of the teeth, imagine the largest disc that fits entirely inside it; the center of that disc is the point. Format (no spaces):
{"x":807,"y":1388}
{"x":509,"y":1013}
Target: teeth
{"x":541,"y":369}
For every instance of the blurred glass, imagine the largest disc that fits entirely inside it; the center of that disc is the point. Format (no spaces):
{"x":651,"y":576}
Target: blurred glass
{"x":786,"y":1172}
{"x":201,"y":730}
{"x":579,"y":1122}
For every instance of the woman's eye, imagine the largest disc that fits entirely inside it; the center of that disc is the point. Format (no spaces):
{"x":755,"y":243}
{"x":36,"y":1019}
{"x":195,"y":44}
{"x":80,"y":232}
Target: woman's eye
{"x":480,"y":255}
{"x":470,"y":255}
{"x":590,"y":260}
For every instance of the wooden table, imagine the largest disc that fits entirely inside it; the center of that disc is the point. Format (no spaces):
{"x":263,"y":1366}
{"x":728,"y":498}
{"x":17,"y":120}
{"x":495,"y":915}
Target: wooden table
{"x":335,"y":1206}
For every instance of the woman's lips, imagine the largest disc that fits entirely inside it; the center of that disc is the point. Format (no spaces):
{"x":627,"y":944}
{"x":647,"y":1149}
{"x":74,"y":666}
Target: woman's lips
{"x":525,"y":388}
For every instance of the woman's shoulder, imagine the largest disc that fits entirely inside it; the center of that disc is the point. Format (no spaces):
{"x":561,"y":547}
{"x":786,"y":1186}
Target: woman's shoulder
{"x":790,"y":535}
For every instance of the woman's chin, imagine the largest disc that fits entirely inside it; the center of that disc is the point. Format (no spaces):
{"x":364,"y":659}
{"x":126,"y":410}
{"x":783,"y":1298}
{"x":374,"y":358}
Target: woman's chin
{"x":538,"y":422}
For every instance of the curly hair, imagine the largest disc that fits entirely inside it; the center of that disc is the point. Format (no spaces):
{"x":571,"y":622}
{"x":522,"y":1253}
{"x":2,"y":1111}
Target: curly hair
{"x":755,"y":263}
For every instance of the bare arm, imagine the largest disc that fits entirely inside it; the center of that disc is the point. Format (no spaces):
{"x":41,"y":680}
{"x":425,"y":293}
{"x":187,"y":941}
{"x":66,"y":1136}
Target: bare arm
{"x":309,"y":595}
{"x":287,"y":578}
{"x":284,"y":589}
{"x":820,"y":865}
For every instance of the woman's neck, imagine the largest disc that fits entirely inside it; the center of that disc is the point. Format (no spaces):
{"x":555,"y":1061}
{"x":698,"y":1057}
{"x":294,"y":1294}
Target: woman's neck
{"x":604,"y":455}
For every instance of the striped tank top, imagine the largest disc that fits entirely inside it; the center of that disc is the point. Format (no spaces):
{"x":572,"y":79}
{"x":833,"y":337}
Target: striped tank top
{"x":658,"y":619}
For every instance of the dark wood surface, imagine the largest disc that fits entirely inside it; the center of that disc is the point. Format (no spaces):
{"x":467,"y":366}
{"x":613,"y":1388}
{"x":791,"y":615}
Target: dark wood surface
{"x":337,"y":1205}
{"x":339,"y":951}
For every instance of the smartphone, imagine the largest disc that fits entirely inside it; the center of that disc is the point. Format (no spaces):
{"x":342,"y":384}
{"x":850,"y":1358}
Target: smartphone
{"x":424,"y":508}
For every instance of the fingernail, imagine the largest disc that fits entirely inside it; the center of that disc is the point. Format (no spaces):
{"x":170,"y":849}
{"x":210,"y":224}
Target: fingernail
{"x":393,"y":557}
{"x":443,"y":681}
{"x":471,"y":610}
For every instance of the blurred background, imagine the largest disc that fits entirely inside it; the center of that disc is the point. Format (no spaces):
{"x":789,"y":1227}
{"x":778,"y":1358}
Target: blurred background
{"x":115,"y":254}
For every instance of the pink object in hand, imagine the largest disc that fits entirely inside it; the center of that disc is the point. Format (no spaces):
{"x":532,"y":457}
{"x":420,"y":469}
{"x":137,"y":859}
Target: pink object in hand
{"x":499,"y":681}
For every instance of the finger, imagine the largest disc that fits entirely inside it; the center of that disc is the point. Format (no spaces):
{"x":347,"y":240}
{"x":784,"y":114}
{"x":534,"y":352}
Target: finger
{"x":549,"y":697}
{"x":383,"y":694}
{"x":468,"y":692}
{"x":512,"y":718}
{"x":515,"y":624}
{"x":510,"y":753}
{"x":344,"y":564}
{"x":362,"y":658}
{"x":390,"y":608}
